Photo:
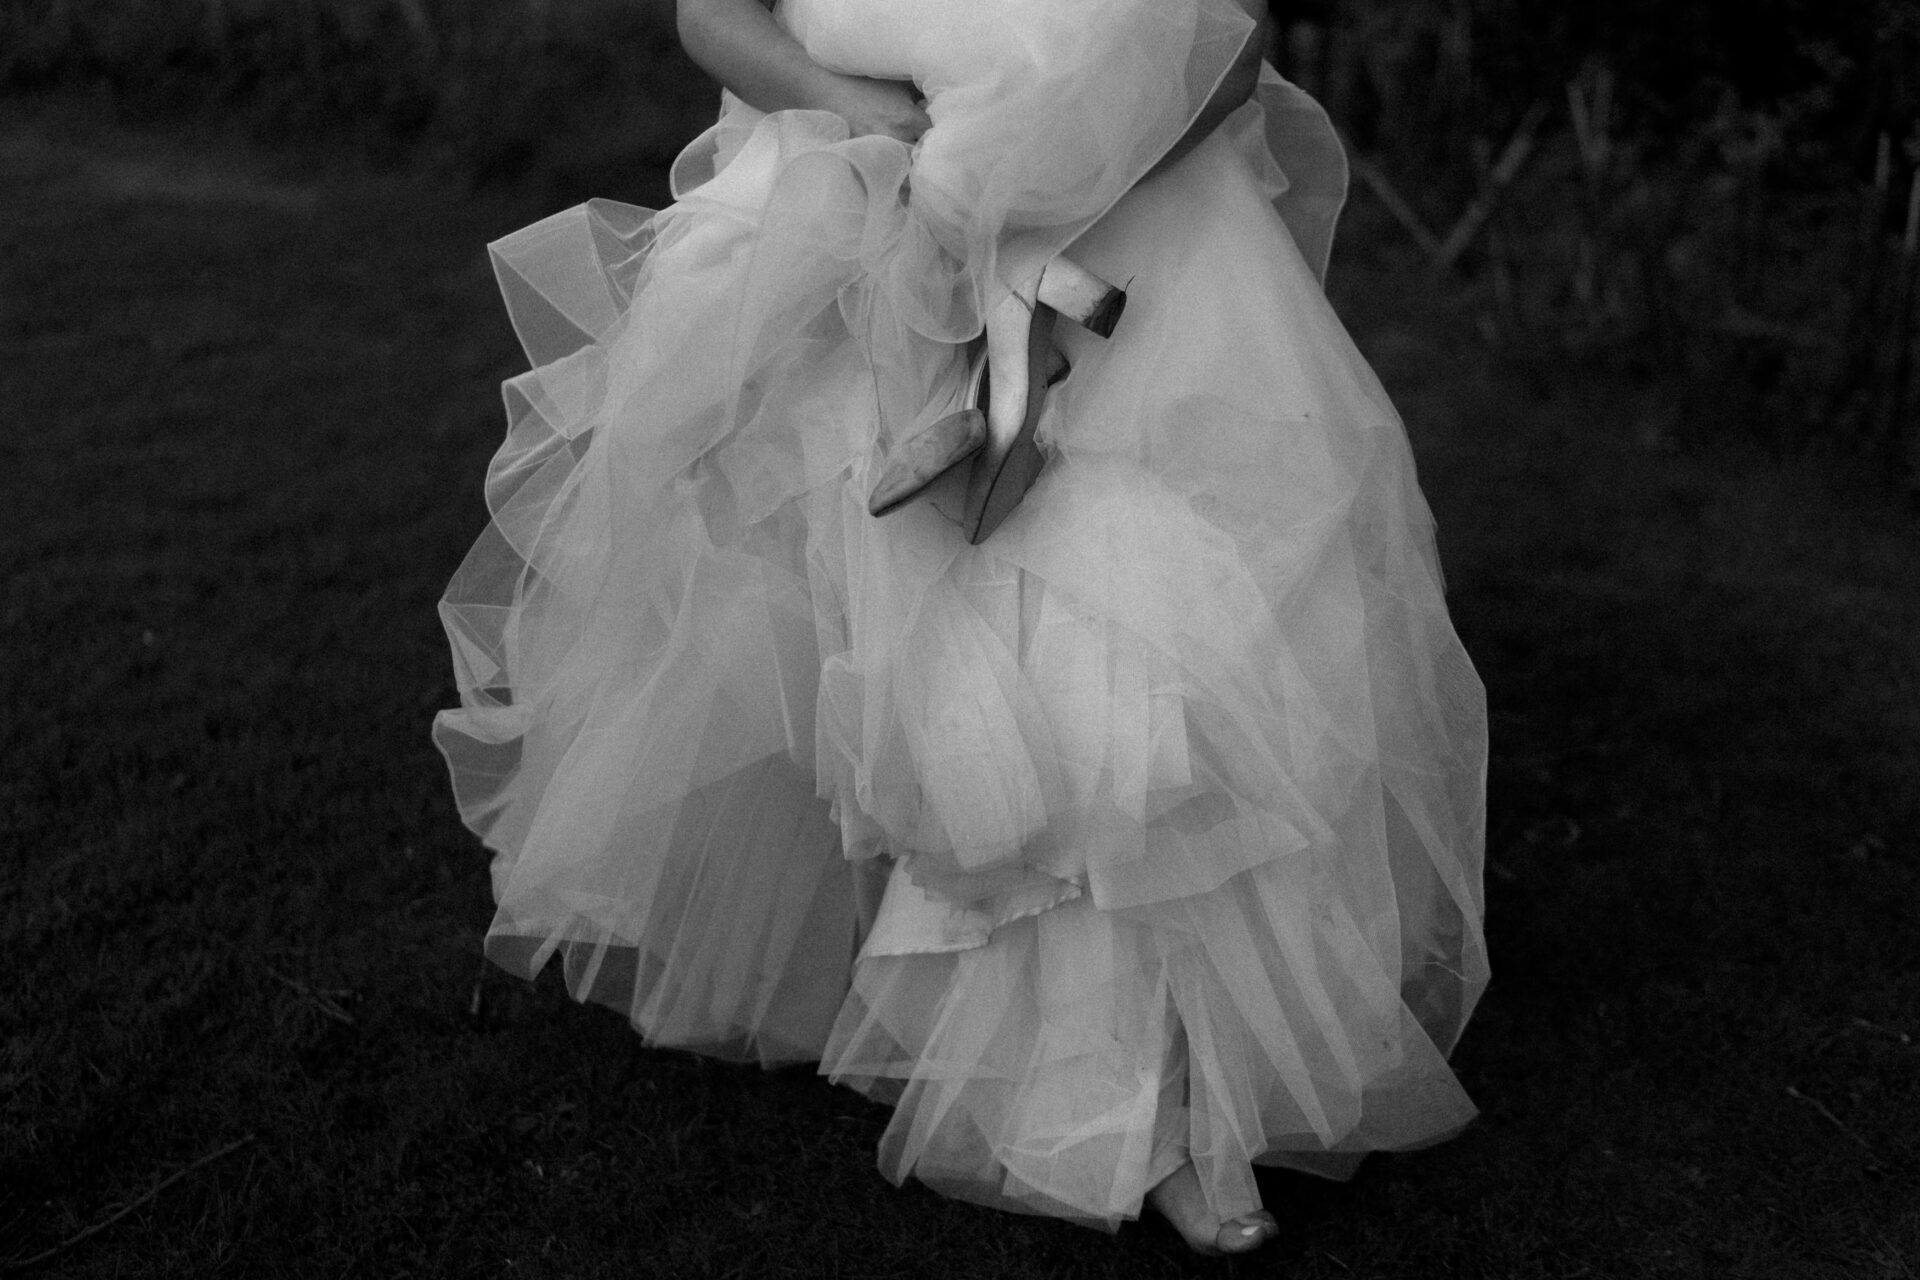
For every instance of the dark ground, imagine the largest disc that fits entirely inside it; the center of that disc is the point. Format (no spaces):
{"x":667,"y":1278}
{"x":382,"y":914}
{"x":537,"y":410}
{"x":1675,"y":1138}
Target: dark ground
{"x":250,"y":396}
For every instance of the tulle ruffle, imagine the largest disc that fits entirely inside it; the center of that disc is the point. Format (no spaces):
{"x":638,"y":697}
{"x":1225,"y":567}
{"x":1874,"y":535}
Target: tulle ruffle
{"x":1171,"y":789}
{"x":1078,"y":1059}
{"x":1250,"y":926}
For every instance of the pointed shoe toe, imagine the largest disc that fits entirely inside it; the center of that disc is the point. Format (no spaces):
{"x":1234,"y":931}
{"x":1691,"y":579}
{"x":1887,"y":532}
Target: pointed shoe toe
{"x":918,"y":461}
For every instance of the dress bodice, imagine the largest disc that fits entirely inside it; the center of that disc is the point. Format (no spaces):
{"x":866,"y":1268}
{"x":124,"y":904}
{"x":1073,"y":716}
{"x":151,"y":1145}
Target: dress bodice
{"x":934,"y":43}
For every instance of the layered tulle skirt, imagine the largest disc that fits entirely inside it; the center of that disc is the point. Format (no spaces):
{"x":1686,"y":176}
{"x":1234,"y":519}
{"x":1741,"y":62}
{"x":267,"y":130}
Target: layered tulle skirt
{"x":1150,"y":829}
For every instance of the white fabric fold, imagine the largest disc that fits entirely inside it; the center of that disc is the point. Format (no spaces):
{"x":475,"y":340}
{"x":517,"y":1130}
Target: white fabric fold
{"x":1158,"y":815}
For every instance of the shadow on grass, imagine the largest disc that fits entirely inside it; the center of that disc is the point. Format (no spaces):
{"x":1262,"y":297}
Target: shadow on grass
{"x":252,"y":398}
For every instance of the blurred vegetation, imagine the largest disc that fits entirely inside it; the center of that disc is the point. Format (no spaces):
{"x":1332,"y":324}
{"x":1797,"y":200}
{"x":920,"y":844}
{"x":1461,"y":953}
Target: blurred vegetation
{"x":497,"y":88}
{"x":1720,"y":195}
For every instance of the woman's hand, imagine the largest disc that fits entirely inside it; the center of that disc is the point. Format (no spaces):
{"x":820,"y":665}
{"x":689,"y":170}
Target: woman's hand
{"x":890,"y":108}
{"x":738,"y":43}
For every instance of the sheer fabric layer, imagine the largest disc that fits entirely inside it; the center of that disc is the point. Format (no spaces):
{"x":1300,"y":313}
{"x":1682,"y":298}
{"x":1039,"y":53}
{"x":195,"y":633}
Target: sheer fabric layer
{"x":1254,"y":744}
{"x":1173,"y":786}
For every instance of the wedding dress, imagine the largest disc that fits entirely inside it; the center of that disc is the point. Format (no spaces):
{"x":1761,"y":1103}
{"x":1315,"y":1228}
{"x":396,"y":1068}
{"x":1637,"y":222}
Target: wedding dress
{"x":1148,"y":830}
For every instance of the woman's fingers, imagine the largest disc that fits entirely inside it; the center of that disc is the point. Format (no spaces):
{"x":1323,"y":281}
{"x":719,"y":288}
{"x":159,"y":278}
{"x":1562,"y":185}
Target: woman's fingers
{"x":890,"y":108}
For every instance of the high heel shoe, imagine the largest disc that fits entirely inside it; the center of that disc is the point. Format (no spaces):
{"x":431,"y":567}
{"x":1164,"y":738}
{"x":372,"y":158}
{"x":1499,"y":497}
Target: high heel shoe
{"x":1010,"y":461}
{"x":1003,"y":472}
{"x":917,"y":461}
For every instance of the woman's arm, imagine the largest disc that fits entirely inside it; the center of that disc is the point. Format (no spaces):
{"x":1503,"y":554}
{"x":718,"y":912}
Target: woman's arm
{"x":738,"y":43}
{"x":1234,"y":89}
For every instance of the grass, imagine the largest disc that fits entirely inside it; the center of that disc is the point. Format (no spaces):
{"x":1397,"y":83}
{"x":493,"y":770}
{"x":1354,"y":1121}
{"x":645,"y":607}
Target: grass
{"x":251,"y":395}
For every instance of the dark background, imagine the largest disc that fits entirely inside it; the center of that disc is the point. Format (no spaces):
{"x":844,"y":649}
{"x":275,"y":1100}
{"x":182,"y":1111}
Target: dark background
{"x":1641,"y":277}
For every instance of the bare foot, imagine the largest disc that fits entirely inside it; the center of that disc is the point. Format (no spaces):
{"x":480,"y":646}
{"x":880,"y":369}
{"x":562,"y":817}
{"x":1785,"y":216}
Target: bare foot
{"x":1183,"y":1204}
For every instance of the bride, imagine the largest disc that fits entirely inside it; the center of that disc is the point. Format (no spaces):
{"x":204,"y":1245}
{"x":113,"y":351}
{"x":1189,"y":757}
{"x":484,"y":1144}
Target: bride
{"x":1112,"y":806}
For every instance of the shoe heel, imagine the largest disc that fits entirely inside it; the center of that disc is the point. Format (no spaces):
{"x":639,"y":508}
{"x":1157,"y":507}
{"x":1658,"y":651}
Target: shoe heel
{"x":1001,"y":475}
{"x":1081,"y":296}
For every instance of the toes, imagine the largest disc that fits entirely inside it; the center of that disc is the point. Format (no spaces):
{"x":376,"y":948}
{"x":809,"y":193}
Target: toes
{"x":1247,"y":1233}
{"x":1183,"y":1204}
